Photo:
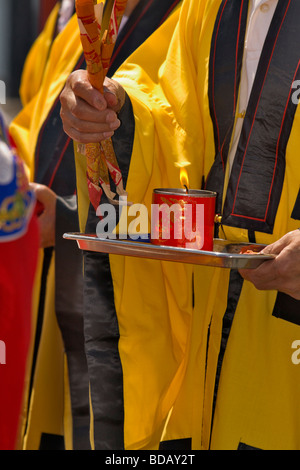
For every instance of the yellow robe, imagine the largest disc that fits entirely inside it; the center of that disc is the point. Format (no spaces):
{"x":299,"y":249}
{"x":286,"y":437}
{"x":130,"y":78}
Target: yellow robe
{"x":148,"y":402}
{"x":49,"y":402}
{"x":65,"y":52}
{"x":258,"y":394}
{"x":36,"y":60}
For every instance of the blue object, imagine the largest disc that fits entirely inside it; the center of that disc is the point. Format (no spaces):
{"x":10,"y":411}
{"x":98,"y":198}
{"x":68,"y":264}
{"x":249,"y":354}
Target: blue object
{"x":17,"y":201}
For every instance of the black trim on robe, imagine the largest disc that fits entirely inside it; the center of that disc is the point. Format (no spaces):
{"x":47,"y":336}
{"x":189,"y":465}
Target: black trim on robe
{"x":176,"y":444}
{"x":51,"y":442}
{"x":226,"y":59}
{"x":287,"y":308}
{"x":296,"y":211}
{"x":243,"y":446}
{"x":54,"y":153}
{"x":234,"y":291}
{"x":48,"y":253}
{"x":258,"y":170}
{"x":69,"y":308}
{"x":101,"y":329}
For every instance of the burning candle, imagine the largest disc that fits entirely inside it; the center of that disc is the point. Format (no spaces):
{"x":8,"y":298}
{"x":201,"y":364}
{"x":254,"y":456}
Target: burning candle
{"x":183,"y":217}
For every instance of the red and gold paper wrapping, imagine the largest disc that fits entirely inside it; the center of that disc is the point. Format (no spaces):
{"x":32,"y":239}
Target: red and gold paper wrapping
{"x":98,"y":46}
{"x":119,"y":9}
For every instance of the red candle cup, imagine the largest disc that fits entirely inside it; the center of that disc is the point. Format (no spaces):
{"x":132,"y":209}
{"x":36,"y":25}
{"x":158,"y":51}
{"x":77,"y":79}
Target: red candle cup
{"x":183,"y":218}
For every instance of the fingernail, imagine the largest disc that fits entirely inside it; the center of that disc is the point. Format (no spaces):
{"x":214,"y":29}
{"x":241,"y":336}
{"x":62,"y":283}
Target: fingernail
{"x":107,"y":135}
{"x":111,"y":117}
{"x":114,"y":125}
{"x":99,"y":103}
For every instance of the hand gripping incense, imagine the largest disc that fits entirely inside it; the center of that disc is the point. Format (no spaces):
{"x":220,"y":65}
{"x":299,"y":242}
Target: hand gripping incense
{"x":99,"y":28}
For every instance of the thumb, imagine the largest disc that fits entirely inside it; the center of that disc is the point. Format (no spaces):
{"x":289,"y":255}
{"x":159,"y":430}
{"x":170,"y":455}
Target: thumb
{"x":43,"y":194}
{"x":114,"y":94}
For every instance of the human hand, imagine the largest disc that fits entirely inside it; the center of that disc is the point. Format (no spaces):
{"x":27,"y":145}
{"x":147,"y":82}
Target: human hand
{"x":282,"y":273}
{"x":47,"y":198}
{"x":87,"y":115}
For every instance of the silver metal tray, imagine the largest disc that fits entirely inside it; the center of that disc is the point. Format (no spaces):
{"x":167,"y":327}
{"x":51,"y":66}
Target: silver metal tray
{"x":225,"y":254}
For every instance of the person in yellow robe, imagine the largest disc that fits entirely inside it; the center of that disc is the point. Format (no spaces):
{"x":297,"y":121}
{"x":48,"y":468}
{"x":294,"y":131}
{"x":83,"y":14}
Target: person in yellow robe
{"x":36,"y":60}
{"x":39,"y":137}
{"x":209,"y":353}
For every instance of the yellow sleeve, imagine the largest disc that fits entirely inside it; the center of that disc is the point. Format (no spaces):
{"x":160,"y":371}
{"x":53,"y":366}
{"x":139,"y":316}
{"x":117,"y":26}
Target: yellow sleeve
{"x":64,"y":55}
{"x":165,"y":84}
{"x":36,"y":60}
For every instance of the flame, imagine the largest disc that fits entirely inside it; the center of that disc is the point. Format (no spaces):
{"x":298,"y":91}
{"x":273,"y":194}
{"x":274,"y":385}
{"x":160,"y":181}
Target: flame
{"x":184,"y":179}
